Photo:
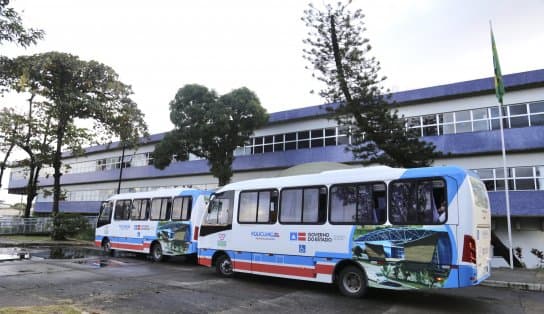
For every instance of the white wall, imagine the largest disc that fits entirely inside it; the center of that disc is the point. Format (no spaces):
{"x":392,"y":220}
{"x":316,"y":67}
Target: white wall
{"x":527,"y":233}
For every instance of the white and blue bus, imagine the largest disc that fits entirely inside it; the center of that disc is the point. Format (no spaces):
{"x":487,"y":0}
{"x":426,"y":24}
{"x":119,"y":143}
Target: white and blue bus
{"x":364,"y":227}
{"x":161,"y":223}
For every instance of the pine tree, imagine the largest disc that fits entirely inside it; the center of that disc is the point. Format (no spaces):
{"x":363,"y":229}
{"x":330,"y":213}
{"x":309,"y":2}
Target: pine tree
{"x":340,"y":58}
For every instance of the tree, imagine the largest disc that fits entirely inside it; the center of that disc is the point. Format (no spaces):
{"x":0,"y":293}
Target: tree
{"x":12,"y":29}
{"x":340,"y":58}
{"x":210,"y":127}
{"x":9,"y":128}
{"x":72,"y":90}
{"x":29,"y":133}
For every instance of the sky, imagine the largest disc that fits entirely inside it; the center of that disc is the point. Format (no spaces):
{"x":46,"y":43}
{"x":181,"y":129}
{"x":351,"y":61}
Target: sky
{"x":159,"y":46}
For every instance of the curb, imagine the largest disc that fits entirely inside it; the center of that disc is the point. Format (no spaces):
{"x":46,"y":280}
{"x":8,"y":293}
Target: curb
{"x":517,"y":285}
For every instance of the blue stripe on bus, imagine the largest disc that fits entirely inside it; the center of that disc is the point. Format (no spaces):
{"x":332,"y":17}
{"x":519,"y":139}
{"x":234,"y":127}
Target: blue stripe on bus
{"x":466,"y":272}
{"x":324,"y":255}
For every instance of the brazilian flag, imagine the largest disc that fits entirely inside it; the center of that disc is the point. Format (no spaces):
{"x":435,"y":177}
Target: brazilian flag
{"x":499,"y":86}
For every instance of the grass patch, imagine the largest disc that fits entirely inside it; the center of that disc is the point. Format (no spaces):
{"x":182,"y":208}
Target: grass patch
{"x":61,"y":309}
{"x":27,"y":238}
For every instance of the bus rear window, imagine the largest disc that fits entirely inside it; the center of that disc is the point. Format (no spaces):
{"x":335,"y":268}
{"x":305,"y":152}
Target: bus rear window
{"x":480,"y":193}
{"x":418,"y":202}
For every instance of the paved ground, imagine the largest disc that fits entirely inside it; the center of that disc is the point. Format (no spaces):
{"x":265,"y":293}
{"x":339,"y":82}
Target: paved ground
{"x":136,"y":285}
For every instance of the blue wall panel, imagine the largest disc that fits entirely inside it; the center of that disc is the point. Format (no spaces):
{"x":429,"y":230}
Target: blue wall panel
{"x":522,"y":203}
{"x":90,"y":207}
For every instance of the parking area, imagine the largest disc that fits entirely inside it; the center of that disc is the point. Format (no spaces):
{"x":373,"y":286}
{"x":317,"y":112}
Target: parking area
{"x":134,"y":284}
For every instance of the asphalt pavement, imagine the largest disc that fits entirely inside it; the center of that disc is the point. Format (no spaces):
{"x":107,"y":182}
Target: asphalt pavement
{"x":517,"y":278}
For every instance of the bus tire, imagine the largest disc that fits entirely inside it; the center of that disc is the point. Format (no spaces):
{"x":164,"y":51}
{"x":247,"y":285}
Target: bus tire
{"x":352,"y":282}
{"x":106,"y":247}
{"x":223,"y":266}
{"x":156,"y":253}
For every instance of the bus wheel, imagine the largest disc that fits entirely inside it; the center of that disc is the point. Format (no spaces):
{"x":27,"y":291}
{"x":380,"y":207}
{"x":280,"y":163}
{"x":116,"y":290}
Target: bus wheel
{"x":156,"y":252}
{"x":223,"y":266}
{"x":106,"y":247}
{"x":352,"y":282}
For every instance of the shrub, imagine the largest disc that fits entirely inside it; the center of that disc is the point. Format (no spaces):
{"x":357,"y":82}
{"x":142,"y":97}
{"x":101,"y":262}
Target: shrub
{"x":68,"y":225}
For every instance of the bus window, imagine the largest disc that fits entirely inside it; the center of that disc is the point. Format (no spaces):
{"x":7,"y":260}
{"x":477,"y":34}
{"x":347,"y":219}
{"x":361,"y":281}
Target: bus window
{"x":122,"y":209}
{"x":220,"y":209}
{"x":418,"y":202}
{"x":181,"y":208}
{"x":140,"y":209}
{"x":303,"y":205}
{"x":160,"y":208}
{"x":480,"y":193}
{"x":258,"y":206}
{"x":358,"y":204}
{"x":105,"y":214}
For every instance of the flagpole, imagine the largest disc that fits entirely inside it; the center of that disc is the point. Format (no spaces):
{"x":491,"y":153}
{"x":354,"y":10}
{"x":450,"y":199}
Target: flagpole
{"x":506,"y":189}
{"x":499,"y":90}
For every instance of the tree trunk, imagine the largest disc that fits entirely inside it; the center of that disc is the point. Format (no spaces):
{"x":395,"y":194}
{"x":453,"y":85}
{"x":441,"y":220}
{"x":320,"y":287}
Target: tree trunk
{"x":338,"y":61}
{"x":57,"y":162}
{"x":3,"y":166}
{"x":29,"y":188}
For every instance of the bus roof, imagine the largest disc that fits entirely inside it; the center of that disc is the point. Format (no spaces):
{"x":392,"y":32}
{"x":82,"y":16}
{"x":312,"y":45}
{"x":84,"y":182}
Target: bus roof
{"x":160,"y":193}
{"x":360,"y":174}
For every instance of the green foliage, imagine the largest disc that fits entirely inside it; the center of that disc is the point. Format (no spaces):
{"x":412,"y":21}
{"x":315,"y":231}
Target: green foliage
{"x":12,"y":29}
{"x":210,"y":126}
{"x":69,"y":225}
{"x":340,"y":58}
{"x":74,"y":90}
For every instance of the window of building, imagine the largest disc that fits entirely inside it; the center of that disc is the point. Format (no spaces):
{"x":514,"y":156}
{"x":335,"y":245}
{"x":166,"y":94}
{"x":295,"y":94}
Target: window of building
{"x":303,"y":205}
{"x":258,"y":206}
{"x":358,"y":203}
{"x":140,"y":209}
{"x":181,"y":208}
{"x":418,"y":202}
{"x":160,"y":208}
{"x":122,"y":209}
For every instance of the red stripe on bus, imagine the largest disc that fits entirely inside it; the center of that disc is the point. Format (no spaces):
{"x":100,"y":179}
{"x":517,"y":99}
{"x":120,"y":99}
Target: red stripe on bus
{"x":127,"y":246}
{"x":205,"y":261}
{"x":241,"y":265}
{"x":324,"y":269}
{"x":98,"y":243}
{"x":283,"y":270}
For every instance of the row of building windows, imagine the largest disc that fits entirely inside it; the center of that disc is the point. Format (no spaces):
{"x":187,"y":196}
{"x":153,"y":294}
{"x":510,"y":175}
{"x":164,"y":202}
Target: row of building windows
{"x":410,"y":202}
{"x":295,"y":140}
{"x":482,"y":119}
{"x":519,"y":178}
{"x":136,"y":160}
{"x":104,"y":194}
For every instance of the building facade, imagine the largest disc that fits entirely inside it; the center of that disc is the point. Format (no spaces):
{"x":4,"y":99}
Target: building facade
{"x":461,"y":119}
